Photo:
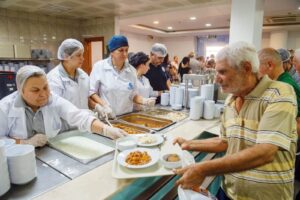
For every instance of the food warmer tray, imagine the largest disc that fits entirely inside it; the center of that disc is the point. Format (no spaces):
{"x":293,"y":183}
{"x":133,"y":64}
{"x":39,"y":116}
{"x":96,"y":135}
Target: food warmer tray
{"x":166,"y":114}
{"x":146,"y":121}
{"x":129,"y":128}
{"x":82,"y":146}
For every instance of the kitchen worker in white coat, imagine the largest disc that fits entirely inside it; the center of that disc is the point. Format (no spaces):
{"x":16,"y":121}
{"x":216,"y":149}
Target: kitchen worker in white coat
{"x":32,"y":114}
{"x":140,"y":61}
{"x":67,"y":79}
{"x":114,"y":80}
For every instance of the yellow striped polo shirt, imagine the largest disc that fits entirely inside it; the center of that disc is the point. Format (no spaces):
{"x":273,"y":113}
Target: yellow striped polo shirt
{"x":267,"y":117}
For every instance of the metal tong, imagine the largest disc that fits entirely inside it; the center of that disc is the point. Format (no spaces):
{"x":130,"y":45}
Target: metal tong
{"x":107,"y":121}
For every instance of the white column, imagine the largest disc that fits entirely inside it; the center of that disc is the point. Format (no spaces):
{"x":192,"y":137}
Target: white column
{"x":278,"y":39}
{"x":117,"y":25}
{"x":246,"y":21}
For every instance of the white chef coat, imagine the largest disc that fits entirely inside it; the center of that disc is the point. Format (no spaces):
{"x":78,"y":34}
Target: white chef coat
{"x":144,"y":88}
{"x":13,"y":119}
{"x":76,"y":91}
{"x":116,"y":88}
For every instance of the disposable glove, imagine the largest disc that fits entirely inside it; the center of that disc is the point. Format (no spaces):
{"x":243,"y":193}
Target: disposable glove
{"x":38,"y":140}
{"x":104,"y":111}
{"x":113,"y":133}
{"x":149,"y":101}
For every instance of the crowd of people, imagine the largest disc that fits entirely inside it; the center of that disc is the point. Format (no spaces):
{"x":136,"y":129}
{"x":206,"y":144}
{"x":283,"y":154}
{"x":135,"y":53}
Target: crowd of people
{"x":259,"y":125}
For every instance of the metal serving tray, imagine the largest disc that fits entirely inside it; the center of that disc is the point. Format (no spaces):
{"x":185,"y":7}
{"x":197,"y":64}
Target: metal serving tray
{"x":82,"y":146}
{"x":166,"y":114}
{"x":129,"y":128}
{"x":145,"y":121}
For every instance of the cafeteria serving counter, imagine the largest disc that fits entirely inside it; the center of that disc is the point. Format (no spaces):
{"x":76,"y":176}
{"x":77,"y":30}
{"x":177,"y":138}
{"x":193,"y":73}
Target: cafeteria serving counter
{"x":62,"y":177}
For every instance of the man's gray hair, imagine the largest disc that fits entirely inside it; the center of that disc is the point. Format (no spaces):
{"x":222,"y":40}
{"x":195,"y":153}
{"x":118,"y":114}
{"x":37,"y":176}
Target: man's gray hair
{"x":237,"y":53}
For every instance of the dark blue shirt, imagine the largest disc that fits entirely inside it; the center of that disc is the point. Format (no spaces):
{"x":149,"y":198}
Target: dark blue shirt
{"x":157,"y":77}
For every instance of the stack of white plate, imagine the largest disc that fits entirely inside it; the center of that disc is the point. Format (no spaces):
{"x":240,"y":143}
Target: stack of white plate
{"x":4,"y":175}
{"x":207,"y":91}
{"x":21,"y":163}
{"x":209,"y":109}
{"x":196,"y":111}
{"x":173,"y":94}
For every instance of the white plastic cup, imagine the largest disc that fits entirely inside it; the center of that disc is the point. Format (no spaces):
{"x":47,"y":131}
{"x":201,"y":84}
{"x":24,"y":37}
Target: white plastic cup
{"x":207,"y":91}
{"x":164,"y":99}
{"x":179,"y":95}
{"x":196,"y":110}
{"x":21,"y":163}
{"x":173,"y":94}
{"x":209,"y":109}
{"x":193,"y":92}
{"x":217,"y":112}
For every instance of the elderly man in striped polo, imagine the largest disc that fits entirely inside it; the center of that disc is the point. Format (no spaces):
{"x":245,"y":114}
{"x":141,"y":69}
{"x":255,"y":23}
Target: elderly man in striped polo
{"x":258,"y":132}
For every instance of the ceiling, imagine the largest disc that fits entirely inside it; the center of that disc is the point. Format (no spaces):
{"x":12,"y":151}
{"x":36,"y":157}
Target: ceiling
{"x":138,"y":15}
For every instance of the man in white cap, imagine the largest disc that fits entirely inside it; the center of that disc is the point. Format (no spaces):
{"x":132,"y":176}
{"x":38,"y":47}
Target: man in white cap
{"x":288,"y":64}
{"x":32,"y":114}
{"x":157,"y":76}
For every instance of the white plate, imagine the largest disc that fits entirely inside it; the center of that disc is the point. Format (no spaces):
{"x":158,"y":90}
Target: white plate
{"x":154,"y":154}
{"x":158,"y":137}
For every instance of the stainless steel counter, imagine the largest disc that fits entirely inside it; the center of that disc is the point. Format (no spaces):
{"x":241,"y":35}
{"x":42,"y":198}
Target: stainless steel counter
{"x":68,"y":166}
{"x":55,"y":168}
{"x":47,"y":179}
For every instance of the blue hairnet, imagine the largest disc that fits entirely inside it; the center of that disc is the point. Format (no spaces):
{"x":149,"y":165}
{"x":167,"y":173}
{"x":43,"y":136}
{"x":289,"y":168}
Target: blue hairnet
{"x":116,"y":42}
{"x":284,"y":54}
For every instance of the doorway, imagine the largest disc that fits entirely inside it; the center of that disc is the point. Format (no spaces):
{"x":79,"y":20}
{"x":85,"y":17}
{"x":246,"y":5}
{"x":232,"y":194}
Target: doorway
{"x":93,"y":52}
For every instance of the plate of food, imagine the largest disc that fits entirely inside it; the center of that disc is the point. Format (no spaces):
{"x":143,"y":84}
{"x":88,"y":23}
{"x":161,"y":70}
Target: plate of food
{"x":148,"y":140}
{"x":138,"y":158}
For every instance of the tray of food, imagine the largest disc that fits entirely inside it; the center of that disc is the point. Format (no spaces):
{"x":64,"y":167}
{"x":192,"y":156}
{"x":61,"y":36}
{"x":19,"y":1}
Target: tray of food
{"x":166,"y":114}
{"x":82,"y":146}
{"x":145,"y":161}
{"x":129,"y":128}
{"x":146,"y":121}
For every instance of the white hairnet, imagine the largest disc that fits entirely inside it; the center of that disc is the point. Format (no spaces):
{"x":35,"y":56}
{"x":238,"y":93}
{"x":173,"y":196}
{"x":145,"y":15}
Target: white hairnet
{"x":67,"y":48}
{"x":26,"y":72}
{"x":159,"y":49}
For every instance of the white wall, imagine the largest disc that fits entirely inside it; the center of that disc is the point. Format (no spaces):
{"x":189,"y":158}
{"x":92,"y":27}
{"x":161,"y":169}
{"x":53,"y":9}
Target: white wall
{"x":139,"y":42}
{"x":179,"y":46}
{"x":293,"y":40}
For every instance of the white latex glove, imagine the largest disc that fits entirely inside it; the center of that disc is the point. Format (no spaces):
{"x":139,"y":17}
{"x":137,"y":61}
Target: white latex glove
{"x":109,"y":112}
{"x":113,"y":133}
{"x":38,"y":140}
{"x":149,"y":101}
{"x":103,"y":111}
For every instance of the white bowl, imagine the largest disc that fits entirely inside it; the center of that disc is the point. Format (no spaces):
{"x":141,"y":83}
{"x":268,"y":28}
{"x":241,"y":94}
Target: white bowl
{"x":126,"y":143}
{"x":170,"y":164}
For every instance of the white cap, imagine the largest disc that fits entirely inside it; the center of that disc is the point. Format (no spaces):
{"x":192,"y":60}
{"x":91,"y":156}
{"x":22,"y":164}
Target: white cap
{"x":159,"y":49}
{"x":26,"y":72}
{"x":67,"y":48}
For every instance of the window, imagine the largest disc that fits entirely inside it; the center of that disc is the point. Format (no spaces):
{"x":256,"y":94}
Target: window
{"x":212,"y":50}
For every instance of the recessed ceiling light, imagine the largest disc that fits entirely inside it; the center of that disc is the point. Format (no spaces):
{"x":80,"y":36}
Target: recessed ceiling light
{"x":156,"y":22}
{"x":193,"y":18}
{"x":207,"y":25}
{"x":169,"y":27}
